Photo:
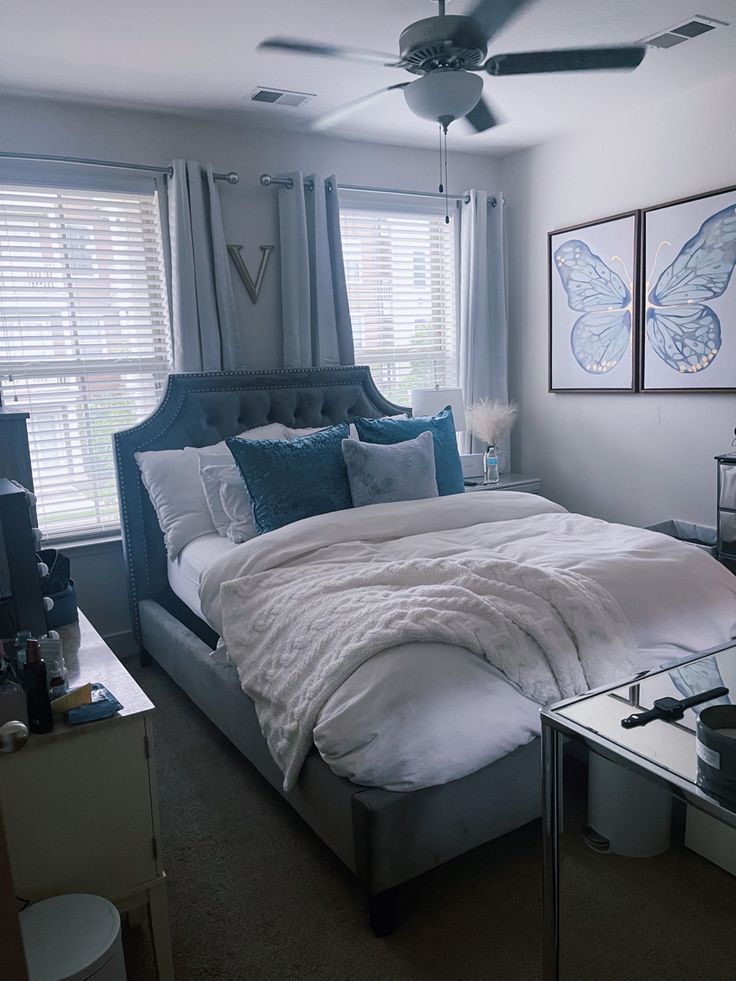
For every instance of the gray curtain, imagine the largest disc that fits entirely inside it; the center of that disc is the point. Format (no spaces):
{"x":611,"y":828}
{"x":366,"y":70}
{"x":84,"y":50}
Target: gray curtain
{"x":206,"y":335}
{"x":483,"y":347}
{"x":316,"y":316}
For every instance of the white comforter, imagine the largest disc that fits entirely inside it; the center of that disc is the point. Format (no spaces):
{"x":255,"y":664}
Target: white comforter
{"x":422,"y":714}
{"x":296,"y":634}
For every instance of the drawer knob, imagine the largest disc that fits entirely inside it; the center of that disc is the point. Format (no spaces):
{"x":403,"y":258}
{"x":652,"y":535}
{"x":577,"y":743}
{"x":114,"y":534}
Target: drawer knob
{"x":13,"y":736}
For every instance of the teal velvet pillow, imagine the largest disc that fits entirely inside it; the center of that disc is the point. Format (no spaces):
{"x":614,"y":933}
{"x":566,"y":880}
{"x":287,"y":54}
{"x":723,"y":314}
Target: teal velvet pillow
{"x":449,"y":471}
{"x":290,"y":480}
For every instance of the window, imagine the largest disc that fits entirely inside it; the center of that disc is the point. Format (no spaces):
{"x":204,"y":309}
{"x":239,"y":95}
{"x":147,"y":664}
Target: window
{"x":84,"y":338}
{"x":400,"y":273}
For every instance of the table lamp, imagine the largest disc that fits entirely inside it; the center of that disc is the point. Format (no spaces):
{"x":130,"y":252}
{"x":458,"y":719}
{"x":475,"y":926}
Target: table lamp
{"x":430,"y":401}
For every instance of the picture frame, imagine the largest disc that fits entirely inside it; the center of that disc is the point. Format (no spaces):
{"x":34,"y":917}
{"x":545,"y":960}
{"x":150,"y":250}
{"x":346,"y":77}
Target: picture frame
{"x":687,"y":329}
{"x":593,"y":272}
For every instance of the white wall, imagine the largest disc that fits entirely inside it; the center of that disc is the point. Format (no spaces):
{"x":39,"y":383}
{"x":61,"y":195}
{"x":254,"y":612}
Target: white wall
{"x":251,"y":219}
{"x":632,"y":458}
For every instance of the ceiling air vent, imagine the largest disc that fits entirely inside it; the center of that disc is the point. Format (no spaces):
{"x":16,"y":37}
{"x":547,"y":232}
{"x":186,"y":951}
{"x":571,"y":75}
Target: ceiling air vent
{"x":697,"y":25}
{"x":280,"y":97}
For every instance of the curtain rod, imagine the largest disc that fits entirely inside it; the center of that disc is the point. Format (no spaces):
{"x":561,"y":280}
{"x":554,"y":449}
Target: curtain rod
{"x":231,"y":178}
{"x":267,"y":180}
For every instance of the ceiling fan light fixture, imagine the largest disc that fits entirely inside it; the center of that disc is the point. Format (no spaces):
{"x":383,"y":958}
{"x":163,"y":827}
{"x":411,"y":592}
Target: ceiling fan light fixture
{"x":444,"y":95}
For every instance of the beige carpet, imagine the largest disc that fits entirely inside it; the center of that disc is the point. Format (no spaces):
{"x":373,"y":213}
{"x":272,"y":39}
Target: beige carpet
{"x":255,"y":896}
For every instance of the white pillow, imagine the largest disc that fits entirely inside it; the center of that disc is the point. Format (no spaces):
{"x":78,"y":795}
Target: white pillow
{"x":211,"y":475}
{"x":229,"y":502}
{"x":298,"y":433}
{"x":237,"y":506}
{"x":172,"y":479}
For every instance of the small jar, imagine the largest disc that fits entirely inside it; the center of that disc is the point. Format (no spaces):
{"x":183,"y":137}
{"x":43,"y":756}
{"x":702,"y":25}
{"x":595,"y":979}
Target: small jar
{"x":57,"y":681}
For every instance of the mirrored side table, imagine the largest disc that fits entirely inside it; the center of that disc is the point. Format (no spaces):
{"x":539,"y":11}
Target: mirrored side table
{"x":650,"y":774}
{"x":726,"y":464}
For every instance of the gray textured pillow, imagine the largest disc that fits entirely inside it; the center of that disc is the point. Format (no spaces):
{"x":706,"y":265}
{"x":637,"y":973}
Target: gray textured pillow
{"x":381,"y":473}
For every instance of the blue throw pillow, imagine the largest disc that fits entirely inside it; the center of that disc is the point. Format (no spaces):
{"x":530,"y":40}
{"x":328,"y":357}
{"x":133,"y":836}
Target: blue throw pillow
{"x":290,"y":480}
{"x":400,"y":472}
{"x":448,"y":468}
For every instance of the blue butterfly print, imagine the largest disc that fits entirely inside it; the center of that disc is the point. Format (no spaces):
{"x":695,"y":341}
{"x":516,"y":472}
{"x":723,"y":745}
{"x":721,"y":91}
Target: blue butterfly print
{"x":683,"y":330}
{"x":600,"y":337}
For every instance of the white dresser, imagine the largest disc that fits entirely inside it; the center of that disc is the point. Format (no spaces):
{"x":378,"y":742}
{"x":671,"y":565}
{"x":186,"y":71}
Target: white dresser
{"x":80,"y":804}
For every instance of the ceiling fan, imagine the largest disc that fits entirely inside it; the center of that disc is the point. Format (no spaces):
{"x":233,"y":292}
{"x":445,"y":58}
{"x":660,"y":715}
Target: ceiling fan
{"x":446,"y":50}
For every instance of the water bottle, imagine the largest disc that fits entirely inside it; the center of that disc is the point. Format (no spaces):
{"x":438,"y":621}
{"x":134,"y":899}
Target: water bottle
{"x":490,"y":466}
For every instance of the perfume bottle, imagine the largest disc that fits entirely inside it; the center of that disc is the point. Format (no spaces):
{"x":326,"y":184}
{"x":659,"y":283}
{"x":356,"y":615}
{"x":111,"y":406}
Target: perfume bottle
{"x":36,"y":688}
{"x":51,"y":652}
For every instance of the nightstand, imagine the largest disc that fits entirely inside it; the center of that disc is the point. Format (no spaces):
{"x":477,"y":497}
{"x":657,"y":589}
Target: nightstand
{"x":511,"y":482}
{"x":80,"y":804}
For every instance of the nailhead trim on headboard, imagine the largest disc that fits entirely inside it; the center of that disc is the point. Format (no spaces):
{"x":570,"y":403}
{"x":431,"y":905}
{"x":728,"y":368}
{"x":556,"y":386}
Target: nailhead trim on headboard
{"x":181,"y":391}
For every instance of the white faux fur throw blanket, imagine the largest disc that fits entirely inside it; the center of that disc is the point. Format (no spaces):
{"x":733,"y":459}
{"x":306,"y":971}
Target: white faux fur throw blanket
{"x":296,"y":634}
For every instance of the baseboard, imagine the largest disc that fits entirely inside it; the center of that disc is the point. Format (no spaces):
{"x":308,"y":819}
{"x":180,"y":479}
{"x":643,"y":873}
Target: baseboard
{"x":122,"y":644}
{"x":712,"y":839}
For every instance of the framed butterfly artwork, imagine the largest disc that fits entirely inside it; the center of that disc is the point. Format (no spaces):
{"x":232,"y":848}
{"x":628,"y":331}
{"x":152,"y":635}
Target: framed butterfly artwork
{"x":593,"y":305}
{"x":688,"y":295}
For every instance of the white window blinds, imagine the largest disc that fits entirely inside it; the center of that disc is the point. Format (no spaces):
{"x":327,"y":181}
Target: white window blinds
{"x":400,"y":272}
{"x":84,"y":338}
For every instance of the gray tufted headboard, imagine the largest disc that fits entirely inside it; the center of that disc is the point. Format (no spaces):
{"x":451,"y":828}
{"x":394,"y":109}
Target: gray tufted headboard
{"x":199,"y":409}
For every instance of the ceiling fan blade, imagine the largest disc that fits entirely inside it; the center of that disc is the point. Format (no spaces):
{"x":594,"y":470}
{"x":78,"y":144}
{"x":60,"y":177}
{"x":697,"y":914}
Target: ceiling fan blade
{"x":328,"y":119}
{"x":566,"y":60}
{"x":294,"y":46}
{"x":482,"y":117}
{"x":495,"y":14}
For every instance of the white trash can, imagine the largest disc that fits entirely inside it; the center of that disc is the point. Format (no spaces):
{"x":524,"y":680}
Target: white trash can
{"x":73,"y":938}
{"x":630,"y":815}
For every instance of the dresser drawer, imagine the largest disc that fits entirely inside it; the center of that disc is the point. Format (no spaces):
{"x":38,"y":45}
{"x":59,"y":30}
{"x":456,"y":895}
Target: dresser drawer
{"x":78,"y":812}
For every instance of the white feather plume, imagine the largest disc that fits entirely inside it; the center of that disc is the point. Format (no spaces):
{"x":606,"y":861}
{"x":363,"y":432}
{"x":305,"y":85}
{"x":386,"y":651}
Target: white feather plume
{"x":490,"y":420}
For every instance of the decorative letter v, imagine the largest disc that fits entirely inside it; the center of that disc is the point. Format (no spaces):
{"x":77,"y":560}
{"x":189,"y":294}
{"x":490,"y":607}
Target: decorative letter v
{"x":253,"y":288}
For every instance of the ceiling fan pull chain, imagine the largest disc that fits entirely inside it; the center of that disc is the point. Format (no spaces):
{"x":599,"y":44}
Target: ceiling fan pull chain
{"x":441,"y":185}
{"x":447,"y":201}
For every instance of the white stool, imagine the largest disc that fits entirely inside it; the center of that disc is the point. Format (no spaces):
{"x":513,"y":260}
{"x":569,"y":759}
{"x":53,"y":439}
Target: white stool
{"x":73,"y":938}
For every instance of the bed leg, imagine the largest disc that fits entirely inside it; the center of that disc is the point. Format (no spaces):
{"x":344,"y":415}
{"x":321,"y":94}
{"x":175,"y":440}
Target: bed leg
{"x":144,"y":658}
{"x":382,"y":912}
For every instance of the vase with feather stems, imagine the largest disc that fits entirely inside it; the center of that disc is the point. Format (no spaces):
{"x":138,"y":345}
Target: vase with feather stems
{"x":490,"y":421}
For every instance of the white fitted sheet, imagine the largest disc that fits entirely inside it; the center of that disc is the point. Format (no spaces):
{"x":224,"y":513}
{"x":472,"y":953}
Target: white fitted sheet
{"x":185,"y":571}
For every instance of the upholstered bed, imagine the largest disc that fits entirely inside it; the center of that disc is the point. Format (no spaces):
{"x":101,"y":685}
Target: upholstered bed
{"x":384,"y":836}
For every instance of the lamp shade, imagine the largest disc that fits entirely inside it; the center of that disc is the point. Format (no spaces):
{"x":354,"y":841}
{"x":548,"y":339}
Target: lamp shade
{"x":430,"y":401}
{"x":444,"y":95}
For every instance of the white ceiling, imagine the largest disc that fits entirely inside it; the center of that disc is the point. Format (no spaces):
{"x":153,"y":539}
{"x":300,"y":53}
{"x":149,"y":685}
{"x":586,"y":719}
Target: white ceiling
{"x":188,"y":55}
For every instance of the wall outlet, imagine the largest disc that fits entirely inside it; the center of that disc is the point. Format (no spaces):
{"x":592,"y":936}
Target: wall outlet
{"x":472,"y":464}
